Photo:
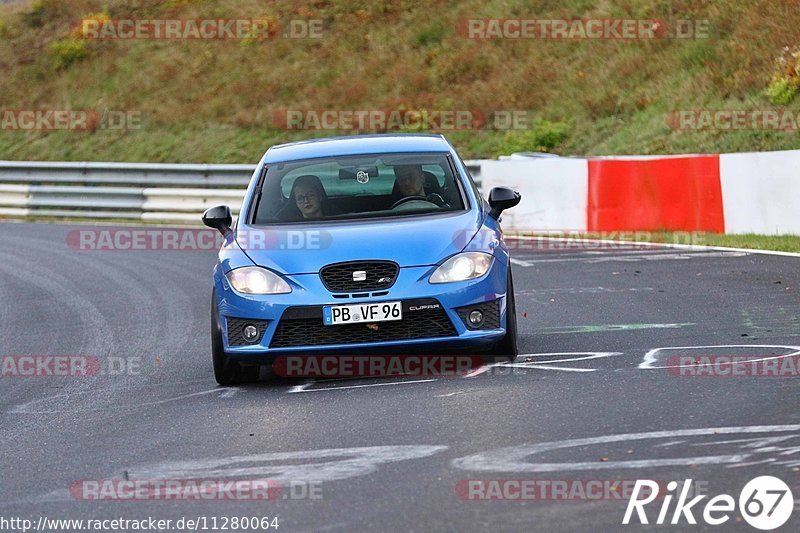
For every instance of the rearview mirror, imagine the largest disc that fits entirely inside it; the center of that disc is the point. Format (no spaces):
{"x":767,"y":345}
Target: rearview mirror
{"x":502,"y":198}
{"x":353,"y":173}
{"x":218,"y":218}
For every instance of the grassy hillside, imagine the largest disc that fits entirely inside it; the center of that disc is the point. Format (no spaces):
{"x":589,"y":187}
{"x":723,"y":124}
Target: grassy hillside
{"x":213,"y":101}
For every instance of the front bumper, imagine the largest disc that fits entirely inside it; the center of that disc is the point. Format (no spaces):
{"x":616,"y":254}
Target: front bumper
{"x":271,"y":315}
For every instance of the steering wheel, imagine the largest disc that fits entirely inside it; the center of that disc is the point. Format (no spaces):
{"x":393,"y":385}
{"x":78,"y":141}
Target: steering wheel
{"x":401,"y":201}
{"x":436,"y":198}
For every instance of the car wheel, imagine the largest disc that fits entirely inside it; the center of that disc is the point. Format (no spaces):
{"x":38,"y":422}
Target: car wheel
{"x":226,"y":370}
{"x":506,"y":350}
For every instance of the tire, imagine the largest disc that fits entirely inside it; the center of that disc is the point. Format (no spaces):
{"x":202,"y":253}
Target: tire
{"x":506,"y":350}
{"x":227,"y":371}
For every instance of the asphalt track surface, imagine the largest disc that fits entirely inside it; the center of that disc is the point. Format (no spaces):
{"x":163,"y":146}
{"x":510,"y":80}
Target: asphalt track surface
{"x":388,"y":454}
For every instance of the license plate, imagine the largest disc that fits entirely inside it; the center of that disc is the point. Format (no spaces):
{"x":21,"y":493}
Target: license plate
{"x":334,"y":315}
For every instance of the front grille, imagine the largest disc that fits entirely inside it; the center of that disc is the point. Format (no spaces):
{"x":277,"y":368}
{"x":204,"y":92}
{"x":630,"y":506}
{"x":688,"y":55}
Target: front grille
{"x":380,"y":275}
{"x":491,"y":314}
{"x":302,"y":326}
{"x":235,"y":327}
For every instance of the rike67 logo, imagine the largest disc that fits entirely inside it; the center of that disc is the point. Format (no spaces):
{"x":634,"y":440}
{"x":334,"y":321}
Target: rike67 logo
{"x":765,"y":503}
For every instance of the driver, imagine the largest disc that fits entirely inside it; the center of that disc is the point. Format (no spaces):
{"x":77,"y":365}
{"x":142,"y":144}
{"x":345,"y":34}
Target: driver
{"x":411,"y":182}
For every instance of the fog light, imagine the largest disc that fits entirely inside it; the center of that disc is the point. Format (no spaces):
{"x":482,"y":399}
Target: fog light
{"x":250,"y":333}
{"x":475,"y":318}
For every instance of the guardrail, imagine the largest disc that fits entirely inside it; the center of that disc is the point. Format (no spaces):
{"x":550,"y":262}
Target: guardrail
{"x":125,"y":191}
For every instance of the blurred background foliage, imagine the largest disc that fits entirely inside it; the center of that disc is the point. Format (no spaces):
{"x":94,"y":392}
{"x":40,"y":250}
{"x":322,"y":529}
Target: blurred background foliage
{"x":214,"y":101}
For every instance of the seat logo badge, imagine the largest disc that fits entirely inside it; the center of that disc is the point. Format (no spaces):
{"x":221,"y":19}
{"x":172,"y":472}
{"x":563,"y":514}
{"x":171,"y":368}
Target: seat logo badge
{"x":360,"y":275}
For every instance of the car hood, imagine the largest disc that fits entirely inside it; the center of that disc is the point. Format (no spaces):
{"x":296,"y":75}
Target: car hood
{"x":408,"y":241}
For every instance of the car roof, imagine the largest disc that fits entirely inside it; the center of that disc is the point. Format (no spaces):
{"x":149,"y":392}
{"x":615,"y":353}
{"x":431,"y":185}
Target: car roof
{"x":356,"y":144}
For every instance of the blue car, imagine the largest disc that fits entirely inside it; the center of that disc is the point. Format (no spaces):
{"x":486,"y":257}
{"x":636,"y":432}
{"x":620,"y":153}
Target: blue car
{"x":369,"y":243}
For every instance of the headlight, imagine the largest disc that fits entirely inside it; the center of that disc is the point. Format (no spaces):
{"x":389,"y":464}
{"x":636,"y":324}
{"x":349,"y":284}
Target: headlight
{"x":257,"y":280}
{"x":461,"y":267}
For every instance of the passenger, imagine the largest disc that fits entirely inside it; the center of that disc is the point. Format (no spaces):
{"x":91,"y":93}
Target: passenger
{"x":310,"y":197}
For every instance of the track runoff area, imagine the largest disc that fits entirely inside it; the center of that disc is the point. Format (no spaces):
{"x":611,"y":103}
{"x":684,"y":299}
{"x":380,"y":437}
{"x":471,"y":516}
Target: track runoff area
{"x":655,"y":385}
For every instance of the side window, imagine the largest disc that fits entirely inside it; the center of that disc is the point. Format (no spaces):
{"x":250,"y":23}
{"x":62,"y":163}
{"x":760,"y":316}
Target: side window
{"x":471,"y":181}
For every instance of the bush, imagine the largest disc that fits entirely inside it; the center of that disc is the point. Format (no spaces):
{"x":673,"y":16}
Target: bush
{"x":544,"y":136}
{"x":786,"y":80}
{"x":781,"y":91}
{"x":36,"y":16}
{"x":68,"y":51}
{"x":433,"y":34}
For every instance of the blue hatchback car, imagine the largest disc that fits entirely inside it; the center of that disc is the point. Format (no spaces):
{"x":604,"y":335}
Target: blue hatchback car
{"x":363,"y":243}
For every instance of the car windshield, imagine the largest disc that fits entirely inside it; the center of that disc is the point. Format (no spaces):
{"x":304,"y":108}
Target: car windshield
{"x":364,"y":186}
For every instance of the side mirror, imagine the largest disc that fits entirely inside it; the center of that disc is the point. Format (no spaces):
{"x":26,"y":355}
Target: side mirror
{"x":219,"y":218}
{"x":502,"y":198}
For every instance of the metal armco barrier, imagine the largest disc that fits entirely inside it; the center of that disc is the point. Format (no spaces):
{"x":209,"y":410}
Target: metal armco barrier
{"x":125,"y":191}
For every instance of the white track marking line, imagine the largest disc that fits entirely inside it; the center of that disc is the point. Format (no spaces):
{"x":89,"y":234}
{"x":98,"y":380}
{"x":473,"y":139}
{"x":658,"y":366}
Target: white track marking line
{"x":689,"y":247}
{"x":358,"y":386}
{"x":519,"y":262}
{"x":516,"y":458}
{"x":546,"y":365}
{"x":480,"y":370}
{"x":582,"y":290}
{"x":299,"y":388}
{"x":662,"y":257}
{"x":611,"y":258}
{"x":127,"y":388}
{"x":313,"y":466}
{"x":667,"y":444}
{"x":650,"y":357}
{"x":757,"y":442}
{"x":563,"y":369}
{"x":753,"y":463}
{"x":224,"y":393}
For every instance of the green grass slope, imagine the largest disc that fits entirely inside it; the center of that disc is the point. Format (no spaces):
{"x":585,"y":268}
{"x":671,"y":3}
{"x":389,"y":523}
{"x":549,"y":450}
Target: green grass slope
{"x":214,"y":101}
